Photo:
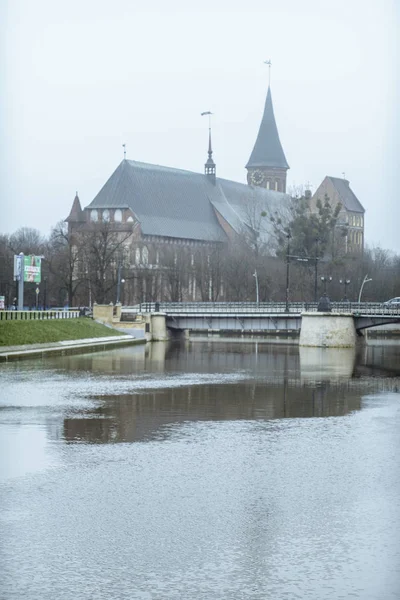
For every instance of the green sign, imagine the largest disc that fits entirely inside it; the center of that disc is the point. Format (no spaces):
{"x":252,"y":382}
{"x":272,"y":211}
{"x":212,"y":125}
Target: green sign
{"x":32,"y":269}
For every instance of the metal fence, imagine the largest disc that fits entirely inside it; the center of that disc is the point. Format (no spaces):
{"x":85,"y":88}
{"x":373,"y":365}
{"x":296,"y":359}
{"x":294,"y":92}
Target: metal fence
{"x":37,"y":315}
{"x":270,"y":308}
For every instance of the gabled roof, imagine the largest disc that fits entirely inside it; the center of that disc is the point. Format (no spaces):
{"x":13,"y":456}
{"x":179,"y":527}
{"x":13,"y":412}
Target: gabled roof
{"x":167,"y":202}
{"x":242,"y":206}
{"x":347,"y":197}
{"x":180,"y":204}
{"x":76,"y":214}
{"x":268,"y":151}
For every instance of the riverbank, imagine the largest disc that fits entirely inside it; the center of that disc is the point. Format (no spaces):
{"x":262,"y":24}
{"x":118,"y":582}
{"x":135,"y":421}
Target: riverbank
{"x":17,"y":333}
{"x":27,"y":339}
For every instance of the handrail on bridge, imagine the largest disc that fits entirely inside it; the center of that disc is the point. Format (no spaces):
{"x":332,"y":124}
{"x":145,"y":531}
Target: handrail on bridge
{"x":295,"y":308}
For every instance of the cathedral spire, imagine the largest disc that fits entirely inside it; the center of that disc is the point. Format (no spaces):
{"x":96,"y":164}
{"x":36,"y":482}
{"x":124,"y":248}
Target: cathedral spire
{"x":267,"y":164}
{"x":209,"y":167}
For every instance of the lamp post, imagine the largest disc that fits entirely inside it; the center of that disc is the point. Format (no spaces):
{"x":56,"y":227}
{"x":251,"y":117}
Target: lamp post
{"x":325,"y":281}
{"x":288,"y":235}
{"x":316,"y":271}
{"x":345,"y":282}
{"x":45,"y":293}
{"x":257,"y":291}
{"x":119,"y":281}
{"x":366,"y":279}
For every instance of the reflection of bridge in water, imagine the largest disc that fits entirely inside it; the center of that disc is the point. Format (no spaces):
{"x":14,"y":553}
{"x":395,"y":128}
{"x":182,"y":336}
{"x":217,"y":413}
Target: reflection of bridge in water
{"x":262,"y":316}
{"x":220,"y":381}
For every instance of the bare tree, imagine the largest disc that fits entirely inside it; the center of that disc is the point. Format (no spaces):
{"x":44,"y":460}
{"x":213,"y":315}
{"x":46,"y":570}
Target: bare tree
{"x":103,"y":249}
{"x":65,"y":258}
{"x":28,"y":241}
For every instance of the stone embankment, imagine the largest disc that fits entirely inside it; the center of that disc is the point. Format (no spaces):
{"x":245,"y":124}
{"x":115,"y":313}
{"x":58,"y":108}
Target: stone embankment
{"x":8,"y":353}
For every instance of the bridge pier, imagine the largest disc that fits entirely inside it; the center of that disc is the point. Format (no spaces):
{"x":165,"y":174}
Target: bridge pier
{"x":158,"y":327}
{"x":328,"y":330}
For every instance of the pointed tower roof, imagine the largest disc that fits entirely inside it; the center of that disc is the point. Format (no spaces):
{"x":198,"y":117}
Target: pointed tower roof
{"x":210,"y":167}
{"x":268,"y":151}
{"x":76,"y":214}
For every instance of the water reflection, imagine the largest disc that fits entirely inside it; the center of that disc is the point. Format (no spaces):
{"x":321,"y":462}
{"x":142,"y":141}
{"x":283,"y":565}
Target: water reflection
{"x":326,"y":364}
{"x":250,"y":381}
{"x":256,"y":471}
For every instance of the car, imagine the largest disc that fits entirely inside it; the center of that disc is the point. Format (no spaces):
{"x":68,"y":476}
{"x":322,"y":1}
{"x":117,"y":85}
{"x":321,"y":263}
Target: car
{"x":393,"y":303}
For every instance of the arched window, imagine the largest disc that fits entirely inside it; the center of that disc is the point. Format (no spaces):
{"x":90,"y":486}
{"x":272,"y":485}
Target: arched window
{"x":145,"y":255}
{"x":118,"y":215}
{"x":268,"y":184}
{"x":106,"y":215}
{"x":276,"y":185}
{"x":137,"y":255}
{"x":129,"y":220}
{"x":94,"y":215}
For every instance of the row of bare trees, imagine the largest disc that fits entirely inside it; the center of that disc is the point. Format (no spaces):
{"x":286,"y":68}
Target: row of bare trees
{"x":296,"y":247}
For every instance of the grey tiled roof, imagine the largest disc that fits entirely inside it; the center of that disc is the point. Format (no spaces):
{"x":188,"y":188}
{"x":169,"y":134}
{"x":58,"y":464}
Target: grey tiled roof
{"x":179,"y":204}
{"x":242,"y":205}
{"x":167,"y":202}
{"x":347,"y":196}
{"x":268,"y":151}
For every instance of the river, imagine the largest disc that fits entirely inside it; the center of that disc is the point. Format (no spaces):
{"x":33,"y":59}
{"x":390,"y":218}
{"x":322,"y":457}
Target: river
{"x":205,"y":469}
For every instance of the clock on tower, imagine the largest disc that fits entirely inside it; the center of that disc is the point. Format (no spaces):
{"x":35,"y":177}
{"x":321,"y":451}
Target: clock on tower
{"x":257,"y":177}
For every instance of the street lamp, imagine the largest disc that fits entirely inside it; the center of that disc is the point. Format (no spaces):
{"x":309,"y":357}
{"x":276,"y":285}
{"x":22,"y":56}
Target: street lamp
{"x":119,"y":281}
{"x":37,"y":291}
{"x":325,"y":281}
{"x":288,"y":235}
{"x":257,"y":294}
{"x":366,"y":279}
{"x":45,"y":293}
{"x":316,"y":270}
{"x":345,"y":282}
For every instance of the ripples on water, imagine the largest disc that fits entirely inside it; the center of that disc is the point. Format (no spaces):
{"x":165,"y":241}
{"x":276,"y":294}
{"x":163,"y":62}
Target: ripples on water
{"x":205,"y":470}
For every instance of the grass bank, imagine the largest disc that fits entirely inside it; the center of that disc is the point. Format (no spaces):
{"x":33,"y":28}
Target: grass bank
{"x":19,"y":333}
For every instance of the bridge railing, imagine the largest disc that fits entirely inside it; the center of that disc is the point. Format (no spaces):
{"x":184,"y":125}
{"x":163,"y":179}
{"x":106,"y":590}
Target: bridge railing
{"x":221,"y":307}
{"x":293,"y":308}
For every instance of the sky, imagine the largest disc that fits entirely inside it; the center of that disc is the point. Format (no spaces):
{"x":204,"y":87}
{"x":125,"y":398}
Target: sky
{"x":81,"y":78}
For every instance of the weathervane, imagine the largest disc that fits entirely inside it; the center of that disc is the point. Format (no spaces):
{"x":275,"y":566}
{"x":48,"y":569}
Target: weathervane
{"x":269,"y":63}
{"x":344,"y":175}
{"x":124,"y":147}
{"x":203,"y":114}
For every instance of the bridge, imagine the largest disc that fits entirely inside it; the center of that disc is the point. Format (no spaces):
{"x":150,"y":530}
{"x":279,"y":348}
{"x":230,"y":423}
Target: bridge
{"x":255,"y":317}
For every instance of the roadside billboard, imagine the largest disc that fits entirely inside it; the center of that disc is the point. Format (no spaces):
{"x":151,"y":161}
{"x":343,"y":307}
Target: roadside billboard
{"x":32,"y":269}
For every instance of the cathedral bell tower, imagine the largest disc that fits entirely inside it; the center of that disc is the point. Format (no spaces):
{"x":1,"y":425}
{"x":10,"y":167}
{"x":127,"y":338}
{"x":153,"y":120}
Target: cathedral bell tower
{"x":267,"y":166}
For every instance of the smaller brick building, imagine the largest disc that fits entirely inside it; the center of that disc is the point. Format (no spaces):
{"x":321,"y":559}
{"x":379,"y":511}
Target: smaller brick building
{"x":351,"y":216}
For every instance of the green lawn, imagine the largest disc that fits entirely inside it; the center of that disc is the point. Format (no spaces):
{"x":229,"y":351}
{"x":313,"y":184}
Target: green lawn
{"x":18,"y":333}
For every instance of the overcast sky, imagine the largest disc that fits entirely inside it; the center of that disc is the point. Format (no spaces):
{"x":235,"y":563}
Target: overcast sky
{"x":82,"y":77}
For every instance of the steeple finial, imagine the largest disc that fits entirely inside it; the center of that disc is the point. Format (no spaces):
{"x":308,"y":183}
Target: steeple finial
{"x":209,"y":167}
{"x":124,"y":147}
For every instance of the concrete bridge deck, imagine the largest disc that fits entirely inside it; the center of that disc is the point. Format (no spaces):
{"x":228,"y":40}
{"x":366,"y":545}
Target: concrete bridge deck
{"x":264,"y":316}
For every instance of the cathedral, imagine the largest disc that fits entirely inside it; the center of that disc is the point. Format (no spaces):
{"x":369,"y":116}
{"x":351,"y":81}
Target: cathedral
{"x":163,"y":207}
{"x":168,"y":205}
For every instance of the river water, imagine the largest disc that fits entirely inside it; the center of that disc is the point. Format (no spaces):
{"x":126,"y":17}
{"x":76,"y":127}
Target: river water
{"x":212,"y":469}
